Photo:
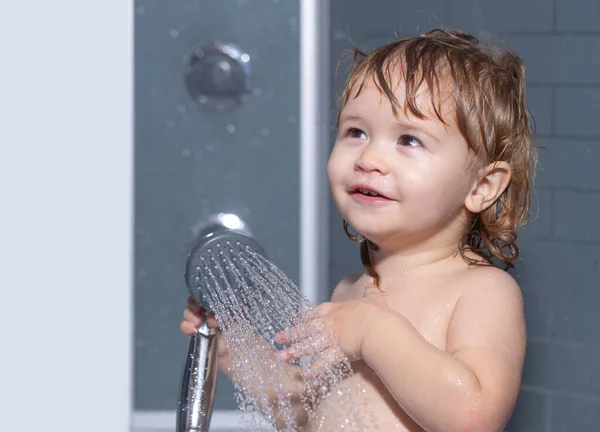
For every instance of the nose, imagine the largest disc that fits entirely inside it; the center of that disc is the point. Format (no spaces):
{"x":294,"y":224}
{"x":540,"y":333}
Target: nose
{"x":372,"y":159}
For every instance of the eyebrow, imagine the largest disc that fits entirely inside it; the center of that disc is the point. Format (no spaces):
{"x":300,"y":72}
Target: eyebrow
{"x":404,"y":124}
{"x":346,"y":118}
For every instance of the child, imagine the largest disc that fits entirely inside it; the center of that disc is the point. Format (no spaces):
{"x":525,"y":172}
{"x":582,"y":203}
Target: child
{"x":431,"y":166}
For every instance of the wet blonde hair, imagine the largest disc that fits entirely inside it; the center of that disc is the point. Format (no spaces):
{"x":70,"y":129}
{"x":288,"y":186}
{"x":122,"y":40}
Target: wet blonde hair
{"x":487,"y":89}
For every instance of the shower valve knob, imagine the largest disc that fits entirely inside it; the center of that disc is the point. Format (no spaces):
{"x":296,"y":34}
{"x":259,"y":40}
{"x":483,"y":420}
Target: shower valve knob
{"x":218,"y":74}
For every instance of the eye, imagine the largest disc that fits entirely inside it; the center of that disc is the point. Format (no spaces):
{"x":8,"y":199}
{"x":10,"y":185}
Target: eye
{"x":410,"y":141}
{"x":356,"y":133}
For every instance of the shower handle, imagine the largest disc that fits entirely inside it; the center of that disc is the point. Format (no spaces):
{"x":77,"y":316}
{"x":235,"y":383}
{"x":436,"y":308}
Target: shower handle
{"x":200,"y":372}
{"x":199,"y":382}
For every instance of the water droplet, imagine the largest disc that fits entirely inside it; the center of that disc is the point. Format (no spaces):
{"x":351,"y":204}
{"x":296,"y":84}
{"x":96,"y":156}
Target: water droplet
{"x":170,"y":123}
{"x":181,"y":108}
{"x":174,"y":33}
{"x":257,"y":92}
{"x":186,"y":152}
{"x":265,"y":132}
{"x":141,"y":10}
{"x":262,"y":301}
{"x":230,"y":128}
{"x":292,"y":119}
{"x":209,"y":146}
{"x":245,"y":58}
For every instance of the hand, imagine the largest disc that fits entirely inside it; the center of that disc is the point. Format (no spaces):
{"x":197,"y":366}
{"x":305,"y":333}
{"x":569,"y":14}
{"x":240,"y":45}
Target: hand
{"x":331,"y":332}
{"x":194,"y":316}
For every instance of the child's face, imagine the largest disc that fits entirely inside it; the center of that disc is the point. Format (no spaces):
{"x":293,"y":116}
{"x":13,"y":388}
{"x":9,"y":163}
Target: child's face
{"x":422,"y":169}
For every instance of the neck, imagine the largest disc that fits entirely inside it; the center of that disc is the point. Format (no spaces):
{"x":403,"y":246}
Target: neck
{"x":391,"y":264}
{"x":399,"y":258}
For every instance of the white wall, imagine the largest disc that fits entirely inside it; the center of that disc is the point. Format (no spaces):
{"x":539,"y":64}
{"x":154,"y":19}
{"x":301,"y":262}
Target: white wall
{"x":65,"y":215}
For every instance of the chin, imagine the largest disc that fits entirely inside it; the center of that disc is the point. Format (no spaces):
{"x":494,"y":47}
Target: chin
{"x":372,"y":229}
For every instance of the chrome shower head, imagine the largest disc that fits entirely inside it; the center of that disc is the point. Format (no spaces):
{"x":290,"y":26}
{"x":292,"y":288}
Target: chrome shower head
{"x":222,"y":240}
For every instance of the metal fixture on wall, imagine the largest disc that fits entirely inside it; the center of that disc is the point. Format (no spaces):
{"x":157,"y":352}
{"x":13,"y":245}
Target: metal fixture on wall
{"x":217,"y":75}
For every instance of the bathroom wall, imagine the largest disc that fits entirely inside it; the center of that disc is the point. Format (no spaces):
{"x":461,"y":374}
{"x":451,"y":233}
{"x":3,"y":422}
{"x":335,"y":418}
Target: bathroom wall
{"x":559,"y":269}
{"x":192,"y":161}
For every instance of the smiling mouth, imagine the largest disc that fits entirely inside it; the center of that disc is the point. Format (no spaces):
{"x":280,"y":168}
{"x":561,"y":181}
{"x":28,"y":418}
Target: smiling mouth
{"x":369,"y":194}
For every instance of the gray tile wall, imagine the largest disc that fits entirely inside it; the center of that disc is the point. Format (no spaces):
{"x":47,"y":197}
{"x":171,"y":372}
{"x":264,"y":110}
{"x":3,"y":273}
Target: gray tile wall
{"x":191,"y":162}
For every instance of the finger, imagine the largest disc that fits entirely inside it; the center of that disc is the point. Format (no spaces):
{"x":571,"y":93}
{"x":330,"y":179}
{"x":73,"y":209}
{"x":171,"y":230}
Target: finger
{"x":193,"y":318}
{"x":195,"y":307}
{"x":323,"y":363}
{"x":289,"y":336}
{"x":212,"y":321}
{"x":188,"y":328}
{"x":308,"y":328}
{"x":309,"y":346}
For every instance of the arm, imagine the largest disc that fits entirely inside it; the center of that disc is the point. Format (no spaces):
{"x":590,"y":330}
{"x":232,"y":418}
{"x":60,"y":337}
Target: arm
{"x":473,"y":385}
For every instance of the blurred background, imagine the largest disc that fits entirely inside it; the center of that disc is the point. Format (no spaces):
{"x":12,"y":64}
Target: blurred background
{"x":123,"y":145}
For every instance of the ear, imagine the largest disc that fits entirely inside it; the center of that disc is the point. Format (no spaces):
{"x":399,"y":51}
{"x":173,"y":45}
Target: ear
{"x":491,"y":182}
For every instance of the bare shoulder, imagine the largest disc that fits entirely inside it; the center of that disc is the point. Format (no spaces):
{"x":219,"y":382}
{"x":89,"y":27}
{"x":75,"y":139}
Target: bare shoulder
{"x":487,"y":333}
{"x":344,"y":288}
{"x":492,"y":283}
{"x":492,"y":302}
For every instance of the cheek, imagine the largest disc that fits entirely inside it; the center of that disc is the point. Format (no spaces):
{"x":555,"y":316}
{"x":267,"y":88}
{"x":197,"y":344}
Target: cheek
{"x":439,"y":182}
{"x":336,"y":166}
{"x":331,"y":171}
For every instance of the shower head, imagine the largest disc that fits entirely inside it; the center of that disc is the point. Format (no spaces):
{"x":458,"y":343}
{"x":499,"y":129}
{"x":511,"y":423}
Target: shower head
{"x":221,"y":241}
